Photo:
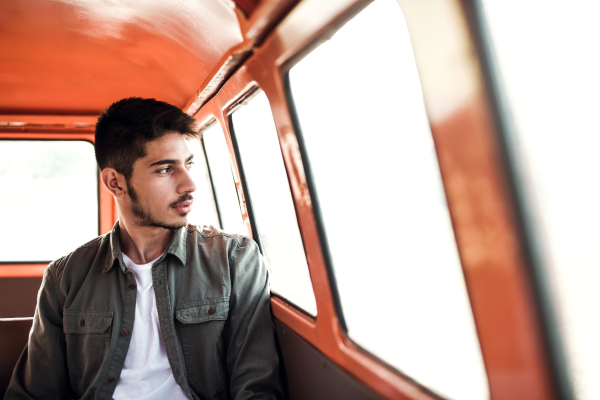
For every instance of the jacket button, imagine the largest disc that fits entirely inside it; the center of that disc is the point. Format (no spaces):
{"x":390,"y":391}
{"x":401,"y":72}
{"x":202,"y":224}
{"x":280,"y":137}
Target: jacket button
{"x":110,"y":379}
{"x":82,"y":322}
{"x":124,"y":332}
{"x":131,"y":287}
{"x":211,"y":311}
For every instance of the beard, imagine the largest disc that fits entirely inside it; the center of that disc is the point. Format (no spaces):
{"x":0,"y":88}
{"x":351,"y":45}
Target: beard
{"x":145,"y":217}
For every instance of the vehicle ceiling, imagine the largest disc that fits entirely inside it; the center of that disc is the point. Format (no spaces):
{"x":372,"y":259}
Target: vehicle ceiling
{"x":79,"y":56}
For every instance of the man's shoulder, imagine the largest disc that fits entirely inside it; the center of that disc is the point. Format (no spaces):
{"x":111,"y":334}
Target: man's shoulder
{"x":212,"y":237}
{"x":209,"y":232}
{"x":81,"y":256}
{"x":95,"y":242}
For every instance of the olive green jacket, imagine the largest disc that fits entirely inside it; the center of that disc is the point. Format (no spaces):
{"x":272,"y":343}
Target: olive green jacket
{"x":212,"y":297}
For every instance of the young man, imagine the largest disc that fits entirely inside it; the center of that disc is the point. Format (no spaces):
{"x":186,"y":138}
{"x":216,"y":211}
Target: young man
{"x":157,"y":308}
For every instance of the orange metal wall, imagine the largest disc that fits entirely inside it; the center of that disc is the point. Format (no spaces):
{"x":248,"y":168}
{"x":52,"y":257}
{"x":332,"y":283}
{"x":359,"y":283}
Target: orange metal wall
{"x":85,"y":63}
{"x":478,"y":195}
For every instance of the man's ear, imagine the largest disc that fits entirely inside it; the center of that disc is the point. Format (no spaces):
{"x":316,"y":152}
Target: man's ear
{"x":114,"y":182}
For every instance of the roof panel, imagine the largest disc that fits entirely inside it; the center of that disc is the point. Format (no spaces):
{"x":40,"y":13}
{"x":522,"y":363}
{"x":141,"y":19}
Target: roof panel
{"x":77,"y":57}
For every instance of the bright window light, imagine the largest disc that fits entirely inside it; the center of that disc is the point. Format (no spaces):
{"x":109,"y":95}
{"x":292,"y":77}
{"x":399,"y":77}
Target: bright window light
{"x":204,"y":209}
{"x":217,"y":154}
{"x":274,"y":213}
{"x":378,"y":188}
{"x":49,"y":189}
{"x":547,"y":54}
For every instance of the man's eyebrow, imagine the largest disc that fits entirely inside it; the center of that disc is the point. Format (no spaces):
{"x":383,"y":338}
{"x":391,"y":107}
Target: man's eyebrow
{"x":169,"y":161}
{"x":162,"y":162}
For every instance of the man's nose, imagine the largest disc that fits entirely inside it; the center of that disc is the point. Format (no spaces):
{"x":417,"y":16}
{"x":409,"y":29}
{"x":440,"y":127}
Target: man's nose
{"x":187,"y":184}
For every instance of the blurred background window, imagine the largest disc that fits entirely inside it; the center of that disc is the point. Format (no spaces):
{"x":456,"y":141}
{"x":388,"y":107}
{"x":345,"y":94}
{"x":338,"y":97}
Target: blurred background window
{"x":48,"y":198}
{"x":547,"y":57}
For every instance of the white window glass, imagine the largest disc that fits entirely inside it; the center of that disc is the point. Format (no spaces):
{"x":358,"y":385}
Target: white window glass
{"x":384,"y":213}
{"x":547,"y":54}
{"x":217,"y":154}
{"x":204,"y":211}
{"x":274,"y":213}
{"x":48,"y":198}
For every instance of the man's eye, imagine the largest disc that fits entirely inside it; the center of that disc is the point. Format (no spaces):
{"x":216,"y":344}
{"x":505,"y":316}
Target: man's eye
{"x":189,"y":164}
{"x":164,"y":170}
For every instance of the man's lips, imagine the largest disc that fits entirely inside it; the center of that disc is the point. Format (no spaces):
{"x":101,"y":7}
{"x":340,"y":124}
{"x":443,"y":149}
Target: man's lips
{"x":184,"y":206}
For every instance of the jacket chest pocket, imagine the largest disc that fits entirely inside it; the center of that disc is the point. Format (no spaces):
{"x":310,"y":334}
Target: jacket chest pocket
{"x":88,"y":338}
{"x":201,"y":325}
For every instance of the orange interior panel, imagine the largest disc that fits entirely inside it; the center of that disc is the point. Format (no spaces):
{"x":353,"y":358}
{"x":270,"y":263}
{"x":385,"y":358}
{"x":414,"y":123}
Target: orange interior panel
{"x":94,"y":53}
{"x":478,"y":197}
{"x":64,"y":61}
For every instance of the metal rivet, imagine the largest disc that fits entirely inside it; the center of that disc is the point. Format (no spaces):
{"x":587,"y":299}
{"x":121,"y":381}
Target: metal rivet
{"x":211,"y":311}
{"x":82,"y":322}
{"x":124,"y":332}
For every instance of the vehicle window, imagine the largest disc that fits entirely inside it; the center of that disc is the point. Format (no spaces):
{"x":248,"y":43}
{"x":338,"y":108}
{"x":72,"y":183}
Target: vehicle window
{"x":272,"y":205}
{"x":46,"y":187}
{"x":382,"y":207}
{"x":549,"y":78}
{"x":204,"y":211}
{"x":219,"y":164}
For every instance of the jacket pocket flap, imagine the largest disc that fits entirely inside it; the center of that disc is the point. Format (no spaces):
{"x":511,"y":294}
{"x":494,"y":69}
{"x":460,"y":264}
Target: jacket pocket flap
{"x":201,"y":311}
{"x":86,"y":321}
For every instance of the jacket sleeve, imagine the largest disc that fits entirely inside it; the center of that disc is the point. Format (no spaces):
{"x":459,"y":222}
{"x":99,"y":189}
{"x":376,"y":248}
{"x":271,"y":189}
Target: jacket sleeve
{"x":41,"y":372}
{"x":252,"y":359}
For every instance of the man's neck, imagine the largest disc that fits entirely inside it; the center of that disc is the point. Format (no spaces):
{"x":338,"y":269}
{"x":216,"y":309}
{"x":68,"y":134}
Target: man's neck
{"x":142,"y":244}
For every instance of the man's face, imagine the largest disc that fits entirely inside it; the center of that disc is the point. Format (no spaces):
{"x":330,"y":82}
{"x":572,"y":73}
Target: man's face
{"x":160,"y":187}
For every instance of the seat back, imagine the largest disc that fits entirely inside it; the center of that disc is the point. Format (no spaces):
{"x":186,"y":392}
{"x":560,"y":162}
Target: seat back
{"x":14,"y":333}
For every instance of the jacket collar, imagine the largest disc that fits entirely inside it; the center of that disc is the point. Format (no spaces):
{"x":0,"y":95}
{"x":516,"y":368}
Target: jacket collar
{"x":177,"y":247}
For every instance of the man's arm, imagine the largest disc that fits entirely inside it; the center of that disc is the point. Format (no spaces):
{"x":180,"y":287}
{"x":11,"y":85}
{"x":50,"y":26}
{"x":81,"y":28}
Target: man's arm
{"x":41,"y":372}
{"x":252,"y":360}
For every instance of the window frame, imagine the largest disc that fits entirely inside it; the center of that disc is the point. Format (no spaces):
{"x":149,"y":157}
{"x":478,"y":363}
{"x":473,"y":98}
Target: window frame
{"x":107,"y":210}
{"x":201,"y":130}
{"x":539,"y":273}
{"x":240,"y":163}
{"x":210,"y":115}
{"x":248,"y":95}
{"x":495,"y":266}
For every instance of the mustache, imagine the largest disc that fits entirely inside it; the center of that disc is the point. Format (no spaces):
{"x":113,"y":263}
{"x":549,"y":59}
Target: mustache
{"x":181,"y":199}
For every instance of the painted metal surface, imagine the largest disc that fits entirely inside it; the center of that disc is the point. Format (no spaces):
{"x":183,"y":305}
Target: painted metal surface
{"x":266,"y":16}
{"x":22,"y":270}
{"x":78,"y":57}
{"x":475,"y":183}
{"x":324,"y":332}
{"x":479,"y":197}
{"x":48,"y":123}
{"x":187,"y":53}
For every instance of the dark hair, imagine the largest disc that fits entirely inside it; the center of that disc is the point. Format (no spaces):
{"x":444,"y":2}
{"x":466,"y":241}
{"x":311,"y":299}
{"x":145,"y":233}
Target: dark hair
{"x":124,"y":128}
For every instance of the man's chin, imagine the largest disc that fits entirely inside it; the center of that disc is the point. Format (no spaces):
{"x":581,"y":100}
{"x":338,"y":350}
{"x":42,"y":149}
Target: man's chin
{"x":171,"y":225}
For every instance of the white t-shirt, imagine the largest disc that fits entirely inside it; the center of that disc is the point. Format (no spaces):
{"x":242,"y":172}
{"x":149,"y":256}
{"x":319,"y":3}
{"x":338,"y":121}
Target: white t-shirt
{"x":146,"y":374}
